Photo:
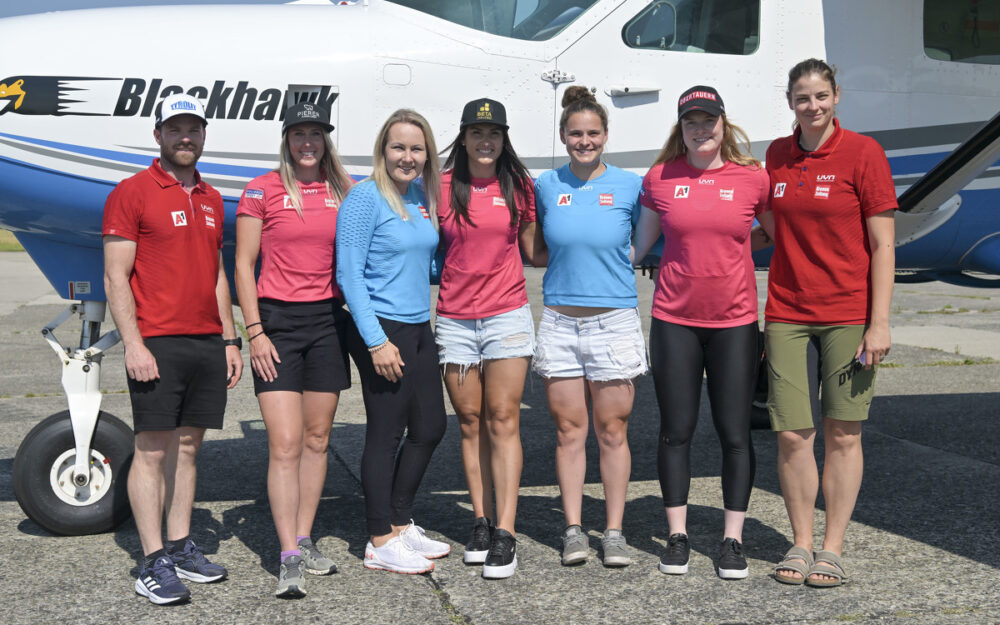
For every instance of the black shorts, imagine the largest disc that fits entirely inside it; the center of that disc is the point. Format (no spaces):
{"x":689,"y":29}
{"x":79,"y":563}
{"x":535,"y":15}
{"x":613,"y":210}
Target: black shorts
{"x":191,"y":389}
{"x":311,"y":339}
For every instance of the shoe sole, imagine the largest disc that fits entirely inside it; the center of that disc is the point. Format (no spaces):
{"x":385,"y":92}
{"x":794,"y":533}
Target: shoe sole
{"x":574,"y":558}
{"x":474,"y":557}
{"x":379,"y":566}
{"x":198,"y":578}
{"x":141,"y":590}
{"x":673,"y":569}
{"x":292,"y":592}
{"x":500,"y":572}
{"x":734,"y":573}
{"x":617,"y":561}
{"x":329,"y":571}
{"x":434,"y":556}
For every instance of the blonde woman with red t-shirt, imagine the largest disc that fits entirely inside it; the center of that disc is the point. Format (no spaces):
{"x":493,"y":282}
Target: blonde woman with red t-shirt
{"x":829,"y":291}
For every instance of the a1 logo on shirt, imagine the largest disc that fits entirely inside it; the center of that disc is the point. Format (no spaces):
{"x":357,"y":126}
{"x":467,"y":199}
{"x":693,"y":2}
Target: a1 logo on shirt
{"x":606,"y":199}
{"x":179,"y":218}
{"x":779,"y":189}
{"x":565,"y":199}
{"x":681,"y":192}
{"x":288,"y":202}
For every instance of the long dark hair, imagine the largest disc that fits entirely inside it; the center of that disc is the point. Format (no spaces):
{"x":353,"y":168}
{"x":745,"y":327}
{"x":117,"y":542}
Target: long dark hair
{"x":511,"y":172}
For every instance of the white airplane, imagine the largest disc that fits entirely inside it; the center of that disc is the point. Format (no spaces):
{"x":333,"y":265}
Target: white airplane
{"x":78,"y":89}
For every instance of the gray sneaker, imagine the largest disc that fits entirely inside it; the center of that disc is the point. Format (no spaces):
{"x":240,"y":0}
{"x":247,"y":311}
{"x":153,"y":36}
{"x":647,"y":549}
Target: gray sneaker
{"x":315,"y":562}
{"x":615,"y":549}
{"x":576,"y":545}
{"x":291,"y":581}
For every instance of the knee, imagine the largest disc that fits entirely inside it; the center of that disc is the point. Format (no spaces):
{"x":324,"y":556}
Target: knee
{"x":792,"y":442}
{"x":503,"y":421}
{"x":285,"y":450}
{"x":152,"y":457}
{"x":613,"y":436}
{"x":317,"y":442}
{"x":429,"y":431}
{"x":843,"y":435}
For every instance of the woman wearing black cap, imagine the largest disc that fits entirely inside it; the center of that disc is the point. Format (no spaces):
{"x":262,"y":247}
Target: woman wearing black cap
{"x":484,"y":330}
{"x":296,"y":326}
{"x":702,"y":194}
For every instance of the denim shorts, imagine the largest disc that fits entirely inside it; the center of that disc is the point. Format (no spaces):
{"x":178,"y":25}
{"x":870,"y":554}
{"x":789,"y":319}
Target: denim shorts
{"x":471,"y":341}
{"x":601,"y":348}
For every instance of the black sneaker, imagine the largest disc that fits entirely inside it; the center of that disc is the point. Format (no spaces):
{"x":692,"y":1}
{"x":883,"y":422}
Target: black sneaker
{"x":501,"y":561}
{"x":190,"y":563}
{"x":158,"y":582}
{"x":675,"y":558}
{"x":732,"y":564}
{"x":479,"y":543}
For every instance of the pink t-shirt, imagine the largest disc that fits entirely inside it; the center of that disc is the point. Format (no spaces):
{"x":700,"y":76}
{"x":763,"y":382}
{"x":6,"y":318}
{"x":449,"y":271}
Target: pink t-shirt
{"x":296,"y":253}
{"x":483,"y":274}
{"x":706,"y":276}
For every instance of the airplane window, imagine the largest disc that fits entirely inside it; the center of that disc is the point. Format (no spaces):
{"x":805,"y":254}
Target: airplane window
{"x":714,"y":26}
{"x":534,"y":20}
{"x":963,"y":31}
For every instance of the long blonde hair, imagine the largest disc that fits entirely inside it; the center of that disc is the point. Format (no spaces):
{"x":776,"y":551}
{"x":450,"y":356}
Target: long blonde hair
{"x":735,"y":145}
{"x":432,"y":169}
{"x":338,"y":182}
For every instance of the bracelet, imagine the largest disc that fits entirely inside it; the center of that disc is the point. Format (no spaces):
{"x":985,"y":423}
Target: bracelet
{"x":252,"y":325}
{"x":255,"y":336}
{"x":372,"y":350}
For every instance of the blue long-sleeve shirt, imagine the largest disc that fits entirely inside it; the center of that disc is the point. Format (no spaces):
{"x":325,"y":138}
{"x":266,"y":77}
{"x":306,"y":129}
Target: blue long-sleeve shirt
{"x":383,"y":262}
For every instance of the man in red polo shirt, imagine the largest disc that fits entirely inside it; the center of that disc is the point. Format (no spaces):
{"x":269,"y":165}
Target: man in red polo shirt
{"x":170,"y":300}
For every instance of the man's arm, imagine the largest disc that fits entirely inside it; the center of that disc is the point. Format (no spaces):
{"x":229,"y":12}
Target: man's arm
{"x":234,"y":359}
{"x":119,"y":258}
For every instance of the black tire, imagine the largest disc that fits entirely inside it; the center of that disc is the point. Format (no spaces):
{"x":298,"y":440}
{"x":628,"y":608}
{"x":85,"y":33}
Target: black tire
{"x":39,"y":452}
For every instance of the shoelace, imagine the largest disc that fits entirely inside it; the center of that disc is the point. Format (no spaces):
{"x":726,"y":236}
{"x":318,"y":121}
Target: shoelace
{"x":311,"y":549}
{"x":736,"y":548}
{"x":191,"y":552}
{"x":500,"y":545}
{"x":676,"y":544}
{"x":163,"y":570}
{"x":481,"y":533}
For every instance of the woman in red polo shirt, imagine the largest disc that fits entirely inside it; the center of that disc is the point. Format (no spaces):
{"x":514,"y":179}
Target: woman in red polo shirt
{"x":829,"y":290}
{"x":484,"y":329}
{"x":296,"y":325}
{"x":702,"y":194}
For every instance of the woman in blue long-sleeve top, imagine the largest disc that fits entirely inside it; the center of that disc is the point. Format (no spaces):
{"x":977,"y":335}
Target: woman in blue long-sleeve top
{"x":386,"y":238}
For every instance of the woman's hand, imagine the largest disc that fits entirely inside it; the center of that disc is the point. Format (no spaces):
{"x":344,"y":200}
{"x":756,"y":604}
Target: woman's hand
{"x":263,"y":355}
{"x":874,"y":346}
{"x":388,"y":362}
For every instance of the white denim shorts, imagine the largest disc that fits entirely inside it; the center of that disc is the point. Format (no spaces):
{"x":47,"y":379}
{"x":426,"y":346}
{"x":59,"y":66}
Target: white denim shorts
{"x":604,"y":347}
{"x":468,"y":342}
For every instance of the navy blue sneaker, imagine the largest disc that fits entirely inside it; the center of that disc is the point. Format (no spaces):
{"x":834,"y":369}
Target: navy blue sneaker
{"x":159,"y":583}
{"x":192,"y":564}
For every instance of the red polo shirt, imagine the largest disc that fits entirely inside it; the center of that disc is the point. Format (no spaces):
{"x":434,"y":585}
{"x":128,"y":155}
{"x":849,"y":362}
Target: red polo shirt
{"x":821,"y":270}
{"x":178,"y":237}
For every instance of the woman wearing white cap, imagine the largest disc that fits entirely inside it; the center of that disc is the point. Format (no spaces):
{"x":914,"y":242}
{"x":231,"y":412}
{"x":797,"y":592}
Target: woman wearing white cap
{"x":484,"y":330}
{"x":296,"y":325}
{"x":702,"y":194}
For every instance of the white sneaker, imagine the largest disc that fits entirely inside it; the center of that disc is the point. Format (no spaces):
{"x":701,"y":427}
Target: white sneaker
{"x":396,"y":556}
{"x":415,"y":537}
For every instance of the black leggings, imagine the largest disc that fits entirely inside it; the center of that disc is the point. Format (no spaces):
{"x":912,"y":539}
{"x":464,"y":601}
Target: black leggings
{"x":390,"y":474}
{"x":729,"y":357}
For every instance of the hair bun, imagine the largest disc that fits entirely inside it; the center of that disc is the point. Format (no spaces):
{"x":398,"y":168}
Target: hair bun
{"x":576,"y":93}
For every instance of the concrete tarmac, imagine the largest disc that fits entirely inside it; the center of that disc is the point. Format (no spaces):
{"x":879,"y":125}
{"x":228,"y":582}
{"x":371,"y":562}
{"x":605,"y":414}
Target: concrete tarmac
{"x":923,"y":546}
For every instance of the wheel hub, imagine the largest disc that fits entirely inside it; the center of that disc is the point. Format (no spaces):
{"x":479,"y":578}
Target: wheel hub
{"x":64,"y":483}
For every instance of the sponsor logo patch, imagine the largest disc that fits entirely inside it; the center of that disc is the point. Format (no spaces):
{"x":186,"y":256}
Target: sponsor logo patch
{"x":209,"y":221}
{"x":779,"y":189}
{"x":423,"y":211}
{"x":499,"y":201}
{"x":606,"y":199}
{"x":706,"y":181}
{"x":565,"y":199}
{"x":288,"y":202}
{"x":254,"y":194}
{"x":826,"y":178}
{"x":681,"y":191}
{"x":822,"y":192}
{"x":208,"y":209}
{"x":330,"y":202}
{"x":476,"y":189}
{"x":179,"y":218}
{"x":310,"y":191}
{"x":726,"y":194}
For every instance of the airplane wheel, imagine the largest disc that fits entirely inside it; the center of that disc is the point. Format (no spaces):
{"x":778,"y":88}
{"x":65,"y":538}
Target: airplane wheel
{"x":43,"y":472}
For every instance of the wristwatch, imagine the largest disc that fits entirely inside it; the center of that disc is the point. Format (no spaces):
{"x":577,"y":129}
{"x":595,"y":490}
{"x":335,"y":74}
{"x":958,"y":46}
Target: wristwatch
{"x":238,"y":342}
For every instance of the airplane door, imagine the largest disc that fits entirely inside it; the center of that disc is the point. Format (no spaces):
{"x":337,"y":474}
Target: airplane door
{"x":642,"y":55}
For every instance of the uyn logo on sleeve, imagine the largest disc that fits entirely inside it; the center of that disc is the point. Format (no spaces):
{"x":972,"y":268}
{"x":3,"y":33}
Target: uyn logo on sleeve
{"x":565,"y":199}
{"x":179,"y":218}
{"x":681,"y":191}
{"x":779,"y":189}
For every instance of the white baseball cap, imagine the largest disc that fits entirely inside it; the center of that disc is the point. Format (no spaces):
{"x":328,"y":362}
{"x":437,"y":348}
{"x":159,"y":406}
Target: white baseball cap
{"x":179,"y":104}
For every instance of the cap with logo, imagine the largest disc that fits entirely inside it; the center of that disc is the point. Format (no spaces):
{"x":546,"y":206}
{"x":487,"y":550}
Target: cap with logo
{"x":700,"y":98}
{"x":179,"y":104}
{"x":484,"y":111}
{"x":306,"y":113}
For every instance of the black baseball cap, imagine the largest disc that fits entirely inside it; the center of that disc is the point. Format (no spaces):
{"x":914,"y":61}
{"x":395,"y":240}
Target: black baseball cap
{"x":484,"y":111}
{"x":701,"y":98}
{"x":306,"y":113}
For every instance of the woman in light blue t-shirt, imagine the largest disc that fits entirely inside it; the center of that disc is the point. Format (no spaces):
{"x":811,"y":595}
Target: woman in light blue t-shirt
{"x":590,"y":345}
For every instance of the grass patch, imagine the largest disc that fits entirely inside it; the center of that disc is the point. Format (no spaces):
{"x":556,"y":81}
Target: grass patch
{"x":890,"y":365}
{"x":959,"y":363}
{"x":946,"y":310}
{"x":8,"y":243}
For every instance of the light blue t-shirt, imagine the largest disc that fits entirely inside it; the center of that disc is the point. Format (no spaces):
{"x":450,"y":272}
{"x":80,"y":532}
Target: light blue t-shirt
{"x":588,"y":229}
{"x":383,"y":262}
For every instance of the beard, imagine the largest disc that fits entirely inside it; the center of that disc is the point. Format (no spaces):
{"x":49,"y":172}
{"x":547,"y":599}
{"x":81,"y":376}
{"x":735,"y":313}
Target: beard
{"x":181,"y":159}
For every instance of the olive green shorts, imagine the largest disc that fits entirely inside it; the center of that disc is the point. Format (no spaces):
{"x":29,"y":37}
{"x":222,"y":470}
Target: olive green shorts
{"x":812,"y":373}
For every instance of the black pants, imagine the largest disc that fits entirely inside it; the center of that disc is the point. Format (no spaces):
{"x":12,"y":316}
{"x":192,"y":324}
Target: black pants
{"x":729,"y":357}
{"x":390,"y":474}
